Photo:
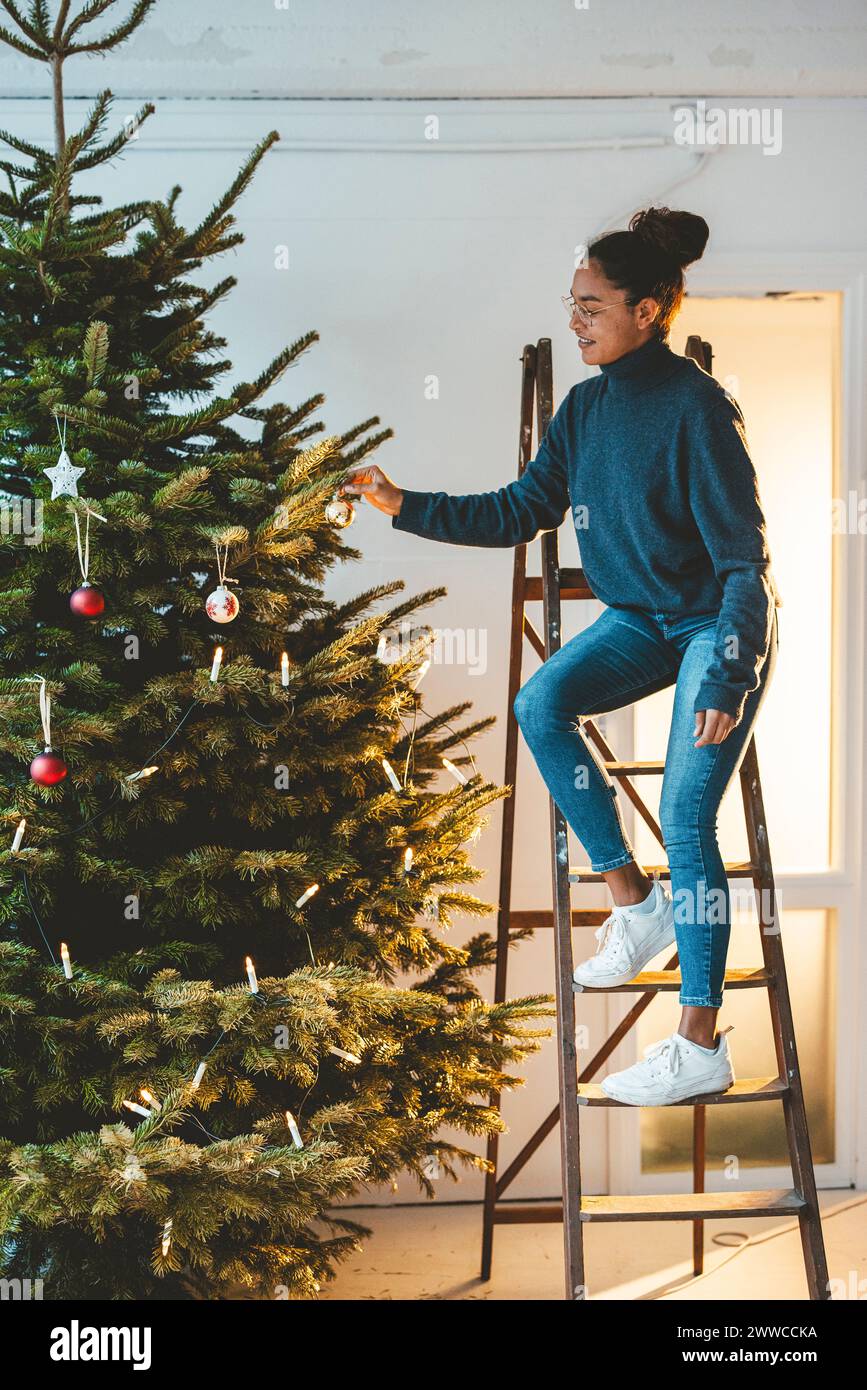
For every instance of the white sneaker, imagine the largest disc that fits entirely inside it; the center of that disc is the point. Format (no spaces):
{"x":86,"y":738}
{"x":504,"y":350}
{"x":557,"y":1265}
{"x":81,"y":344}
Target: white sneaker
{"x":627,"y":941}
{"x":673,"y":1070}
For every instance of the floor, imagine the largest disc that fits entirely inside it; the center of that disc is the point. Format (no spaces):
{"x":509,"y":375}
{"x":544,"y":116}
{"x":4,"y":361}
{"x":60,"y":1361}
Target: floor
{"x":432,"y":1252}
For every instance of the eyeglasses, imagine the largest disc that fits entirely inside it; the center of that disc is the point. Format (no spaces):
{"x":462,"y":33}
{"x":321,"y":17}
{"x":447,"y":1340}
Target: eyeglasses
{"x":586,"y":315}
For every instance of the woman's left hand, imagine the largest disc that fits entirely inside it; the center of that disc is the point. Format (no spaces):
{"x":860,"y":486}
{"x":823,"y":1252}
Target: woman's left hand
{"x":712,"y":726}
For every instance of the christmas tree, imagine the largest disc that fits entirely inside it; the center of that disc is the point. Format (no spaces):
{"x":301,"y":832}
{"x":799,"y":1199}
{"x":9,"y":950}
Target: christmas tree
{"x":233,"y":837}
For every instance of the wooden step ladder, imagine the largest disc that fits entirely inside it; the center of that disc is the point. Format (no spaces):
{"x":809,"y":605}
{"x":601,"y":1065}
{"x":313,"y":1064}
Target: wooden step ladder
{"x":576,"y":1090}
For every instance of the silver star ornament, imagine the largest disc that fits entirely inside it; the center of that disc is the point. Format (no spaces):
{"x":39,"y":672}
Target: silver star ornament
{"x":64,"y":477}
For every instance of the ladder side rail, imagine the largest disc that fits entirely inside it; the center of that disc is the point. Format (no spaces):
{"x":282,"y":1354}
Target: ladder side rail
{"x":782,"y":1023}
{"x":567,"y":1058}
{"x":507,"y":833}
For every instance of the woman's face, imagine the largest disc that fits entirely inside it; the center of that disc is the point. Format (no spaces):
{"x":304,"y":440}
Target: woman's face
{"x":620,"y":329}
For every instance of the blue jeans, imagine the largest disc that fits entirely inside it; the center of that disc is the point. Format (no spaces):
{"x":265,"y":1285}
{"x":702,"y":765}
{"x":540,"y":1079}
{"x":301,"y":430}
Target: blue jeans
{"x":621,"y":657}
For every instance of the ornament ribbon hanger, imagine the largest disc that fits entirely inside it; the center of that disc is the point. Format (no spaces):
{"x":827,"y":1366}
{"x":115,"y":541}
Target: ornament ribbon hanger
{"x":44,"y":711}
{"x":47,"y":768}
{"x":84,"y":555}
{"x":87,"y":601}
{"x":222,"y":578}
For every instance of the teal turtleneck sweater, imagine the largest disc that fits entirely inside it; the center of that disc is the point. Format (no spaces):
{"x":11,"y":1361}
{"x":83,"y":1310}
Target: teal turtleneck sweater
{"x":651,"y":457}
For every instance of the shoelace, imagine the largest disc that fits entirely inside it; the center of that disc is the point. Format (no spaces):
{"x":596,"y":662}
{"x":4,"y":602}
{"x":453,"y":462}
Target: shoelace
{"x":664,"y":1057}
{"x":610,"y":935}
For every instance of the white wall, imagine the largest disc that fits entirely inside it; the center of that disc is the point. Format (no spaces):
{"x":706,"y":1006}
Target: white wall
{"x":408,"y":48}
{"x":434,"y":258}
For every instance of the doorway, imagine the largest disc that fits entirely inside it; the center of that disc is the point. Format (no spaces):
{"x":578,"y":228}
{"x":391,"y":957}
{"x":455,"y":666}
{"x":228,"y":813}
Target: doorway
{"x":778,"y":354}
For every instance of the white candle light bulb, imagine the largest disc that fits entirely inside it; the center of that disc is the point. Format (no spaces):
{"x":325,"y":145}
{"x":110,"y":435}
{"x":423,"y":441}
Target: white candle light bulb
{"x":19,"y":836}
{"x":142,"y":772}
{"x":215,"y":664}
{"x":251,"y":976}
{"x":294,"y":1130}
{"x":150,"y":1099}
{"x":308,"y":893}
{"x":347,"y":1056}
{"x":391,"y":775}
{"x":455,"y":771}
{"x":67,"y":963}
{"x":407,"y":859}
{"x":138,"y":1109}
{"x":197,"y":1079}
{"x":284,"y":668}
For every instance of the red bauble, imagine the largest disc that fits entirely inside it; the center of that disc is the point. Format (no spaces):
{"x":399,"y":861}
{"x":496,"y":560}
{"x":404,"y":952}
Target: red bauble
{"x":87,"y":602}
{"x":48,"y":769}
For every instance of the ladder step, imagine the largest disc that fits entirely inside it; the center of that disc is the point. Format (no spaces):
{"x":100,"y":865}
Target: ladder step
{"x":638,"y":769}
{"x":670,"y":979}
{"x":692,"y":1206}
{"x":736,"y":869}
{"x":751,"y":1088}
{"x":680,"y":1206}
{"x":527,"y":1214}
{"x":572,"y":584}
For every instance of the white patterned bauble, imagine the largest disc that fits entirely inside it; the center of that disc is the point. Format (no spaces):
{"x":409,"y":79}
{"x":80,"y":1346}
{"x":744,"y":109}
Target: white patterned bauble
{"x":222,"y":605}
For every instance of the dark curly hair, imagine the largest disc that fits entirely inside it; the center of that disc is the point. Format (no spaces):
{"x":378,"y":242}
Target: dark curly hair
{"x":648,"y":260}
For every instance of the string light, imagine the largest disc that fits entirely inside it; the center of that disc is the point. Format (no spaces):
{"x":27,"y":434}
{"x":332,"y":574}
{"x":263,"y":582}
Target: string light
{"x":308,"y":893}
{"x":294,"y":1130}
{"x":142,"y":772}
{"x":138,"y":1109}
{"x":167,"y":1236}
{"x":422,"y":671}
{"x":391,"y":775}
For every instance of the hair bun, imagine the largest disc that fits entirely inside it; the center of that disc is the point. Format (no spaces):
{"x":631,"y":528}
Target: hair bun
{"x":680,"y":235}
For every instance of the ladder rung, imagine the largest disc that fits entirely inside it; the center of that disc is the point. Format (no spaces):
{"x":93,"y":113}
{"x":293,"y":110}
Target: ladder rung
{"x":520,"y":1214}
{"x":751,"y":1088}
{"x":542,"y":919}
{"x":572,"y":585}
{"x":619,"y":769}
{"x":682,"y":1206}
{"x":736,"y":869}
{"x":692,"y":1206}
{"x":670,"y":979}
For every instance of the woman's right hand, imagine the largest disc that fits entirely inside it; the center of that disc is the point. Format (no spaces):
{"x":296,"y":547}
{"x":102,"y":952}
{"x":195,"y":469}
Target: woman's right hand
{"x":376,"y":486}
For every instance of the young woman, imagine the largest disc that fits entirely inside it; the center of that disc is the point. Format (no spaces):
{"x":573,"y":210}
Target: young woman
{"x":651,"y":456}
